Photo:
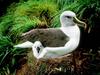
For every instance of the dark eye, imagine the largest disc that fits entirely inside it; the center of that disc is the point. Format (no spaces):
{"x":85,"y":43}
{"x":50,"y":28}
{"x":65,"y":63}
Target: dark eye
{"x":40,"y":46}
{"x":68,"y":16}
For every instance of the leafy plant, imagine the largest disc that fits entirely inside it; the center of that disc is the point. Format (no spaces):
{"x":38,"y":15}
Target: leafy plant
{"x":9,"y":56}
{"x":62,"y":3}
{"x":26,"y":16}
{"x":23,"y":24}
{"x":5,"y":24}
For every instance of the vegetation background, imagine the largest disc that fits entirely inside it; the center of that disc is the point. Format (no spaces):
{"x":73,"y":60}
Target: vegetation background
{"x":20,"y":16}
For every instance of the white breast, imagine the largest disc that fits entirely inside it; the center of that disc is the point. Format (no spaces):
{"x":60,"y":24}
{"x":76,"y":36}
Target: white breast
{"x":71,"y":31}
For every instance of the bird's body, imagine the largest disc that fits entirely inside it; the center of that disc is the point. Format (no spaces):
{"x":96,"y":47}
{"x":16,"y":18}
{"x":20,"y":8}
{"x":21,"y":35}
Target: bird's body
{"x":73,"y":33}
{"x":69,"y":28}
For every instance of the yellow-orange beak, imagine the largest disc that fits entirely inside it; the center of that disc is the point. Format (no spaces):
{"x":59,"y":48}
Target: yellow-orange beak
{"x":80,"y":23}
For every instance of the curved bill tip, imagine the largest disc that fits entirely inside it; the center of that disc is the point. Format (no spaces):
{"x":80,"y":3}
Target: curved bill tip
{"x":80,"y":23}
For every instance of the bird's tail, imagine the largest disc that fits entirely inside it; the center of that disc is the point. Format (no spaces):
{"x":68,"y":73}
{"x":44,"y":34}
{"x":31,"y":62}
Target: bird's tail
{"x":26,"y":44}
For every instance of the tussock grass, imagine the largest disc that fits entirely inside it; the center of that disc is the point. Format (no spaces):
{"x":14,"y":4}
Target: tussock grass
{"x":9,"y":56}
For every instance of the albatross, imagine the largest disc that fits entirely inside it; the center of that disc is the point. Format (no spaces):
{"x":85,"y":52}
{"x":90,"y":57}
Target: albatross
{"x":69,"y":26}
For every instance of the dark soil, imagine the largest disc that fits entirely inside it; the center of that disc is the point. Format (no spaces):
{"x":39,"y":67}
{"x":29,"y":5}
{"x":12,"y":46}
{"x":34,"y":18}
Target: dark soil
{"x":77,"y":63}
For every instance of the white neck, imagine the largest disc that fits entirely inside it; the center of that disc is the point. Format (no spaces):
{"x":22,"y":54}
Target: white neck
{"x":71,"y":31}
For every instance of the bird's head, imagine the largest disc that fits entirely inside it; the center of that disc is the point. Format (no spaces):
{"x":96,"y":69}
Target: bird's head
{"x":68,"y":18}
{"x":38,"y":46}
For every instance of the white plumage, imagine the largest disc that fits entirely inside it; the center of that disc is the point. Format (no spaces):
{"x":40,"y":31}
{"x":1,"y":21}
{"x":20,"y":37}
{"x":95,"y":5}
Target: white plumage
{"x":69,"y":28}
